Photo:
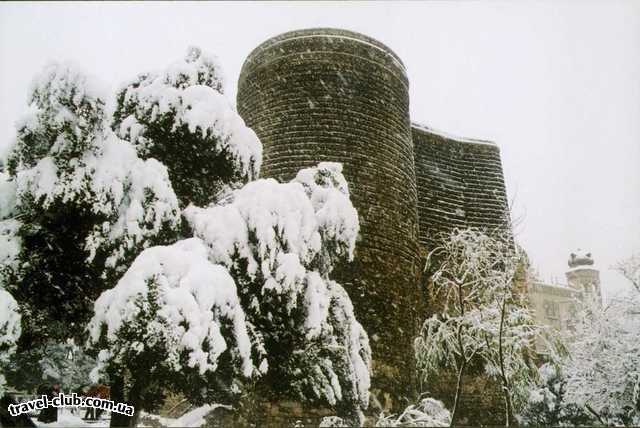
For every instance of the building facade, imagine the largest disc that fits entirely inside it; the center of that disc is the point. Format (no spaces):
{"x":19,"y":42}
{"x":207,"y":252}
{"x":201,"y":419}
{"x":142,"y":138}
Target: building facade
{"x":556,"y":305}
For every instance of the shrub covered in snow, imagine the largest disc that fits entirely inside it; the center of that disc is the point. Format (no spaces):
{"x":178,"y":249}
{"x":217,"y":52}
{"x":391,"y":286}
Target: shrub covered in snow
{"x":86,"y":203}
{"x":630,"y":269}
{"x":9,"y":331}
{"x":65,"y":362}
{"x":10,"y":241}
{"x":603,"y":365}
{"x":66,"y":115}
{"x":333,"y":421}
{"x":428,"y":413}
{"x":180,"y":117}
{"x":482,"y":319}
{"x":248,"y":299}
{"x":7,"y":196}
{"x":279,"y":241}
{"x":597,"y":380}
{"x":174,"y":320}
{"x":547,"y":403}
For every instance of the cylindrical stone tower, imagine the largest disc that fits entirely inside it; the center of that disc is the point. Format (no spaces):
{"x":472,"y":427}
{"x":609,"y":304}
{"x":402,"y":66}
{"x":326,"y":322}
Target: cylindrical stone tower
{"x":334,"y":95}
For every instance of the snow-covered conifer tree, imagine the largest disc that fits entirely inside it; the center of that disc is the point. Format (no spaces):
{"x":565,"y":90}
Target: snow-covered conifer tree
{"x":65,"y":361}
{"x":174,"y":320}
{"x":249,"y":298}
{"x":85,"y":204}
{"x":10,"y":242}
{"x":9,"y":331}
{"x":180,"y":117}
{"x":280,"y":241}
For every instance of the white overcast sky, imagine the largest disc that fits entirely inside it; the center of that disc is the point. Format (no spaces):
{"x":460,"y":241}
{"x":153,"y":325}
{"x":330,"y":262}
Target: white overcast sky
{"x":555,"y":84}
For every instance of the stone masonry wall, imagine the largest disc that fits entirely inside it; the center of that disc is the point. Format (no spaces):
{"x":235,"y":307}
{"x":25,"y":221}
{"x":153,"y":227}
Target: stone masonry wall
{"x":460,"y":184}
{"x":333,"y":95}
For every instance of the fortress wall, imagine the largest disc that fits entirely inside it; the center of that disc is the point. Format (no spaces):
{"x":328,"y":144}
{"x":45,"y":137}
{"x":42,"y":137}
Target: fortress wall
{"x":460,"y":184}
{"x":334,"y":95}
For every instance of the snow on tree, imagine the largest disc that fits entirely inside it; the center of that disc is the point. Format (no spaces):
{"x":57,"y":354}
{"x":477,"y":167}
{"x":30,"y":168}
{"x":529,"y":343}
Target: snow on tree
{"x":87,"y":204}
{"x":547,"y":404}
{"x":481,"y":317}
{"x":10,"y":242}
{"x":10,"y":245}
{"x":509,"y":333}
{"x":332,"y":421}
{"x":630,"y":269}
{"x":279,"y":242}
{"x":603,"y":366}
{"x":7,"y":196}
{"x":9,"y":331}
{"x":64,"y":362}
{"x":174,"y":320}
{"x":180,"y":117}
{"x":89,"y":167}
{"x":65,"y":116}
{"x":428,"y":413}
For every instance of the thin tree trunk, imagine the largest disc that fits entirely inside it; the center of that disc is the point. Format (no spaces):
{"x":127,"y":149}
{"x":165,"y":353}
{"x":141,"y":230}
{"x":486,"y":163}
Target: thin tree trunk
{"x":458,"y":396}
{"x":596,"y":414}
{"x":463,"y":362}
{"x":503,"y":373}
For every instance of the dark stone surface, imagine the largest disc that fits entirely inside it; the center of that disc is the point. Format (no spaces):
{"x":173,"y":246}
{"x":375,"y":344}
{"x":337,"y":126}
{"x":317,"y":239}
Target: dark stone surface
{"x":460,"y":184}
{"x":332,"y":95}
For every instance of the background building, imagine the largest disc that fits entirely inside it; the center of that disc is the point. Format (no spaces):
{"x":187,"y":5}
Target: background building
{"x":555,"y":305}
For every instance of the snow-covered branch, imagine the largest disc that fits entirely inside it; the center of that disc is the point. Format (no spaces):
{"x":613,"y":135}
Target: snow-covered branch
{"x":481,"y":317}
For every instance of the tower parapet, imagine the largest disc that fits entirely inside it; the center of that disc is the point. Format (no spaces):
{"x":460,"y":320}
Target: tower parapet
{"x":583,"y":275}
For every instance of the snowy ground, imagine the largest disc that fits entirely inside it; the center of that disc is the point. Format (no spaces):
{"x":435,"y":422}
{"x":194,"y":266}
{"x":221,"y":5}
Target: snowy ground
{"x":68,"y":419}
{"x":194,"y":418}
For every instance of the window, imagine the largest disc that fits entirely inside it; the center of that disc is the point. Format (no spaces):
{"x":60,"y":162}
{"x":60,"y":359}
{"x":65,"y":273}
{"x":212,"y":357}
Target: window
{"x":551,"y":309}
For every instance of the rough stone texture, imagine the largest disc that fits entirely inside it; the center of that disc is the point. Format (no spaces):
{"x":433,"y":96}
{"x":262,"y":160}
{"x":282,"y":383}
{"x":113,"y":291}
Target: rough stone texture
{"x":481,"y":402}
{"x":333,"y":95}
{"x":460,"y":184}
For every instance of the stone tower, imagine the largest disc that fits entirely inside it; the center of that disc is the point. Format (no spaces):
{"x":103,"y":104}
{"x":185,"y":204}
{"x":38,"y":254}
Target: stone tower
{"x":334,"y":95}
{"x":583,"y":276}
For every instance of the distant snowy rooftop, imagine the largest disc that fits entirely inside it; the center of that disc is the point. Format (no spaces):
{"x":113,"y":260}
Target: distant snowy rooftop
{"x":554,"y":288}
{"x":448,"y":136}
